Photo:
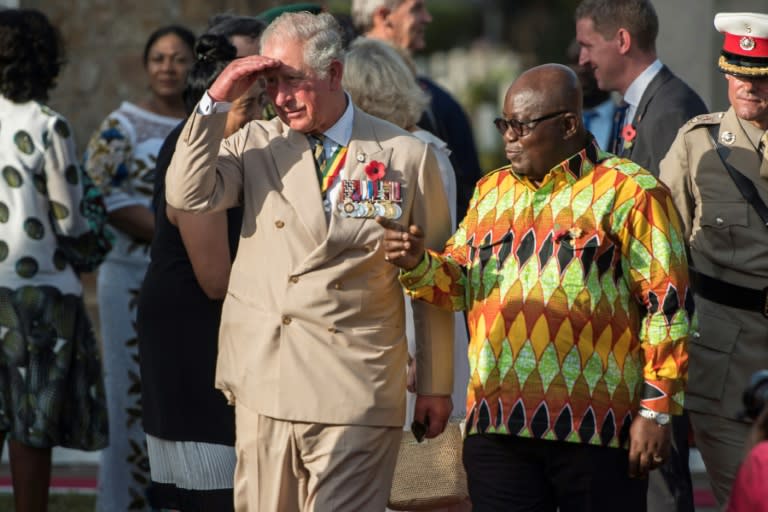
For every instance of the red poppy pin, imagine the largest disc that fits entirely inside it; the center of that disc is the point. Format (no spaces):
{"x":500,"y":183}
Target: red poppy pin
{"x":628,"y":134}
{"x":375,"y":170}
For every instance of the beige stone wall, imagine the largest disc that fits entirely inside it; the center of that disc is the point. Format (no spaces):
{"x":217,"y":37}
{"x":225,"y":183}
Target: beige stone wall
{"x":105,"y":39}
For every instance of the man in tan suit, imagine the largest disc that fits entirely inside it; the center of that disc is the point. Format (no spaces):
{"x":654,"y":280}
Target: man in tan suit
{"x":728,"y":241}
{"x":312,"y":346}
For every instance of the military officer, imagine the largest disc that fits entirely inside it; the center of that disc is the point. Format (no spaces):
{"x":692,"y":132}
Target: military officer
{"x":716,"y":164}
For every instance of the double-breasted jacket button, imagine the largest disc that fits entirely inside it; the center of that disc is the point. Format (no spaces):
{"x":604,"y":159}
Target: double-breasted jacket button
{"x":294,"y":279}
{"x":279,"y":224}
{"x":286,"y":319}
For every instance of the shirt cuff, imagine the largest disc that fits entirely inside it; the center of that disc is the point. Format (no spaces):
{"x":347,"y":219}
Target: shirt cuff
{"x":207,"y":106}
{"x":413,"y":276}
{"x":664,"y":396}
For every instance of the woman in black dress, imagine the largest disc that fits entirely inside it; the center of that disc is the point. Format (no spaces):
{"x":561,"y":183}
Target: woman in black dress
{"x":189,"y":425}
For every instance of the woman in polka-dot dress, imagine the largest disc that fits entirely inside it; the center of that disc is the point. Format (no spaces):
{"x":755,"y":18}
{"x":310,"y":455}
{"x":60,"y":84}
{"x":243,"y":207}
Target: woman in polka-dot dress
{"x":51,"y":389}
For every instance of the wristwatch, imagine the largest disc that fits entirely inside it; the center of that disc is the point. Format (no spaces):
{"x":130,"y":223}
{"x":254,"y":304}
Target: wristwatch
{"x":660,"y":418}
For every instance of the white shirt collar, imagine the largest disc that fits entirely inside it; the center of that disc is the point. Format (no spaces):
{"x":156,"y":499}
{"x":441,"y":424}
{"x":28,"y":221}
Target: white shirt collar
{"x":638,"y":86}
{"x":341,"y":131}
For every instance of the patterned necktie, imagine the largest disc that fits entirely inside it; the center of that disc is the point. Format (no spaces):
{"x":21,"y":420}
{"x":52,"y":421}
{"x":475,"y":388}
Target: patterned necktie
{"x":318,"y":151}
{"x":619,"y":116}
{"x":762,"y":148}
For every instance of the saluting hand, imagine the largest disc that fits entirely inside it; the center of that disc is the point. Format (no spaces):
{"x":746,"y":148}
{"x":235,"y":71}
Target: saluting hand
{"x":403,"y":246}
{"x":239,"y":76}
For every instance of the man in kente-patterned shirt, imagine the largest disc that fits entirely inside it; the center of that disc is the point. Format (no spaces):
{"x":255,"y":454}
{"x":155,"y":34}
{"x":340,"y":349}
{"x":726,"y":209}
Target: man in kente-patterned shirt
{"x":572,"y":268}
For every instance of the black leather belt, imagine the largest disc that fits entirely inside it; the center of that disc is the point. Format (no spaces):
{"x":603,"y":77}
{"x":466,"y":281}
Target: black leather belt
{"x":728,"y":294}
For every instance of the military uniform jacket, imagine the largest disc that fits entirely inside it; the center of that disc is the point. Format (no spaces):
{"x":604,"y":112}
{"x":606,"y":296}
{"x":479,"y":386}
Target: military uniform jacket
{"x":729,"y":242}
{"x":312,"y":326}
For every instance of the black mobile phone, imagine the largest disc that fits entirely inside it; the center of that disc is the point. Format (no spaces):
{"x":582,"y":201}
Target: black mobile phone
{"x":419,"y":429}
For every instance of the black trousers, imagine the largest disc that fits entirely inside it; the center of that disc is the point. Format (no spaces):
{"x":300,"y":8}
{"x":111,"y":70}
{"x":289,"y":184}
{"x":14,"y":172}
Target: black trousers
{"x":515,"y":474}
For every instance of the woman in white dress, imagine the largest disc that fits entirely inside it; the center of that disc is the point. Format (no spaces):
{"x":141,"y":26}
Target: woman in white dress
{"x":121,"y":159}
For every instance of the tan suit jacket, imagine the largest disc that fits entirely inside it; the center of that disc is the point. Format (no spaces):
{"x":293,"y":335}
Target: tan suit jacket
{"x":313,"y":325}
{"x":729,"y":242}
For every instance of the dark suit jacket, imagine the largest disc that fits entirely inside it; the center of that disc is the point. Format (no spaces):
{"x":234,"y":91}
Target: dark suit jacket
{"x":446,"y":119}
{"x":665,"y":106}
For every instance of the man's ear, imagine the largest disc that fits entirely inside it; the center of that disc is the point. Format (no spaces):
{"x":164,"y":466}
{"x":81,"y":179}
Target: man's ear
{"x":623,"y":40}
{"x":381,"y":17}
{"x":571,"y":123}
{"x":335,"y":73}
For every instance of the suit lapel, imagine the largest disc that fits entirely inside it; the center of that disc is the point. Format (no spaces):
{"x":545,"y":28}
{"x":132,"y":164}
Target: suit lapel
{"x":364,"y":148}
{"x":662,"y":77}
{"x":299,"y":177}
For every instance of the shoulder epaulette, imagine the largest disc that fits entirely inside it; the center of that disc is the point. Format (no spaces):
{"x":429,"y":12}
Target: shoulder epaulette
{"x":704,"y":119}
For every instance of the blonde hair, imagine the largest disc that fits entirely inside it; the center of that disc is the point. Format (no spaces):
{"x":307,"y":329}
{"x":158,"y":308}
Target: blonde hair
{"x":382,"y":84}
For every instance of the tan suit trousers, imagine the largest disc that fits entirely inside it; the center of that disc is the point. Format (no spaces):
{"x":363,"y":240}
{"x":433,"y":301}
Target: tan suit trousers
{"x":285,"y":466}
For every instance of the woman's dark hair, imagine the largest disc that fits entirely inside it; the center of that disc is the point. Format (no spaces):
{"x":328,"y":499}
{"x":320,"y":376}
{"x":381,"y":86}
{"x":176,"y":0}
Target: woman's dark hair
{"x":183,"y":33}
{"x":31,"y":55}
{"x":212,"y":54}
{"x":229,"y":25}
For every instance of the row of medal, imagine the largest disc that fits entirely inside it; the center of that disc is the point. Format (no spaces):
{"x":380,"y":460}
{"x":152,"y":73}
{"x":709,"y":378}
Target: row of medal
{"x":366,"y":199}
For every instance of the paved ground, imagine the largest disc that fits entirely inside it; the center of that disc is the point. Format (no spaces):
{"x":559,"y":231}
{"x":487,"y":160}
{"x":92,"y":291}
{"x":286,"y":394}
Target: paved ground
{"x":75,"y":474}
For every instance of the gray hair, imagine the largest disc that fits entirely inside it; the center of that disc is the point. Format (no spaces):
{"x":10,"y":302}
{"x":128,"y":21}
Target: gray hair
{"x":320,"y":35}
{"x":362,"y":12}
{"x":381,"y":83}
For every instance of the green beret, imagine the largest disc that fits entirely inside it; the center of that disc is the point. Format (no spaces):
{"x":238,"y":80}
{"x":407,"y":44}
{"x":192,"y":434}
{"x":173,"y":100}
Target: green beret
{"x":269,"y":15}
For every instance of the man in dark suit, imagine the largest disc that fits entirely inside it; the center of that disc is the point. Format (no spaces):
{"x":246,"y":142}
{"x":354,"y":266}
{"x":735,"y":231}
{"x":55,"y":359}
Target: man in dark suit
{"x":402,"y":24}
{"x":618,"y":41}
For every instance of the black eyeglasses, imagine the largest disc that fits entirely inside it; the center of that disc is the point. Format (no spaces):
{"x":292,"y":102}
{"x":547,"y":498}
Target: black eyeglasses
{"x":520,"y":128}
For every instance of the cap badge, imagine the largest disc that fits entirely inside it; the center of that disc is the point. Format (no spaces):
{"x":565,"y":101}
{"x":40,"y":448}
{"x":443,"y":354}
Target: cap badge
{"x":747,"y":44}
{"x":728,"y":138}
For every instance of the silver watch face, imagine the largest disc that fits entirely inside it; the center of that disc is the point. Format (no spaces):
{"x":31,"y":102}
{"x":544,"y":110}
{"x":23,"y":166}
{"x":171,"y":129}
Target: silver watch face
{"x":662,"y":418}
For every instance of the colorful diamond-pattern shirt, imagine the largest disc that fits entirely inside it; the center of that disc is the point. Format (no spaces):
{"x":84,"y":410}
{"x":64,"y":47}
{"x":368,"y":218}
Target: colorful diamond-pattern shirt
{"x":577,"y":299}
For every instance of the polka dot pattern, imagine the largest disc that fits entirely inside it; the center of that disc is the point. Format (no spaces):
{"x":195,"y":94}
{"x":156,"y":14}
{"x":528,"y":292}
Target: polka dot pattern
{"x":27,"y":267}
{"x":59,"y":211}
{"x":24,"y":142}
{"x":34,"y":228}
{"x":12,"y":177}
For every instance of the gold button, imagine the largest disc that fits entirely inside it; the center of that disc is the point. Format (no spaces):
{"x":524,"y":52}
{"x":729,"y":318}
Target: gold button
{"x":279,"y":224}
{"x":337,"y":286}
{"x":286,"y":320}
{"x":294,"y":279}
{"x":331,"y":329}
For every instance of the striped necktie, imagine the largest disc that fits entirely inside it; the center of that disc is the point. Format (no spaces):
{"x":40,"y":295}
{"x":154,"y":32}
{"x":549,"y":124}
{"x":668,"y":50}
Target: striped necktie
{"x":318,"y":151}
{"x":762,"y":148}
